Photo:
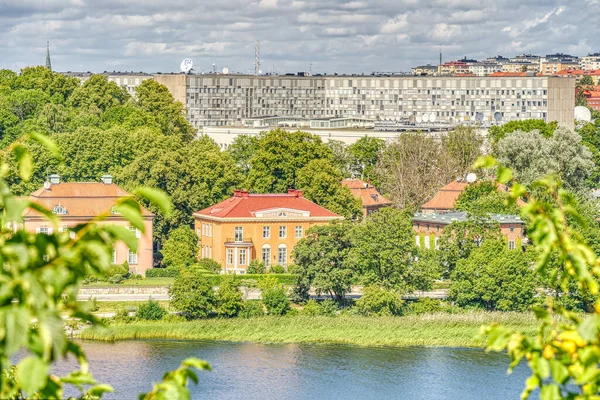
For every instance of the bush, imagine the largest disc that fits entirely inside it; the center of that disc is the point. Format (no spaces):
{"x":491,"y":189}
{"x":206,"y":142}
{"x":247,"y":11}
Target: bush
{"x":180,"y":248}
{"x":116,"y":279}
{"x":151,"y":311}
{"x":121,"y":316}
{"x":162,"y":273}
{"x":192,"y":295}
{"x":117,"y":270}
{"x":276,"y":301}
{"x":277,"y":269}
{"x":327,"y":307}
{"x":377,"y":301}
{"x":173,"y":318}
{"x":252,"y":308}
{"x":292,"y":268}
{"x":257,"y":267}
{"x":229,"y":298}
{"x":311,"y":308}
{"x":425,"y":306}
{"x":135,"y":277}
{"x":208,"y":265}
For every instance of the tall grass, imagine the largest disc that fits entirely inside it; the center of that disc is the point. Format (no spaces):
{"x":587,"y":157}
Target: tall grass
{"x":432,"y":330}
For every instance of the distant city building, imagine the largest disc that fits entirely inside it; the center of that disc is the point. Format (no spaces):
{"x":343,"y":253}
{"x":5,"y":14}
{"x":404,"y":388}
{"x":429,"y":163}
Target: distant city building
{"x":484,"y":68}
{"x":592,"y":96}
{"x":528,"y":58}
{"x":80,"y":202}
{"x":520,"y":66}
{"x":127,"y":80}
{"x":230,"y":100}
{"x":590,"y":62}
{"x":579,"y":73}
{"x":497,"y":60}
{"x":370,"y":198}
{"x":425,"y":70}
{"x":263,"y":227}
{"x":428,"y":227}
{"x":453,"y":68}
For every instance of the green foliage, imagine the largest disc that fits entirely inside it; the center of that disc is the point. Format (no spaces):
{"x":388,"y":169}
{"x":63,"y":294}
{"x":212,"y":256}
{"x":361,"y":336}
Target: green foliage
{"x":277,"y":269}
{"x":321,"y":183}
{"x":425,"y":305}
{"x":378,"y":301}
{"x":174,"y":383}
{"x":495,"y":133}
{"x":209,"y":265}
{"x":364,"y":155}
{"x":292,"y":268}
{"x":273,"y":296}
{"x":257,"y":267}
{"x":322,"y":261}
{"x":463,"y":144}
{"x":151,"y":311}
{"x":192,"y":295}
{"x":242,"y":150}
{"x":483,"y":198}
{"x":327,"y":307}
{"x":180,"y":248}
{"x":341,"y":158}
{"x":162,"y":273}
{"x":252,"y":309}
{"x":229,"y":297}
{"x":278,"y":157}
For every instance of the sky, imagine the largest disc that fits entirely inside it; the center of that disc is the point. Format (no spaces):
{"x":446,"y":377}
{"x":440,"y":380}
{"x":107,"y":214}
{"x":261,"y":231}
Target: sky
{"x":324,"y":36}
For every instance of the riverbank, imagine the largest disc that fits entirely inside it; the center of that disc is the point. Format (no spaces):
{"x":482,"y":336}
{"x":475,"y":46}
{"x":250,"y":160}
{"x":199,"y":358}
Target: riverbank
{"x":431,"y":330}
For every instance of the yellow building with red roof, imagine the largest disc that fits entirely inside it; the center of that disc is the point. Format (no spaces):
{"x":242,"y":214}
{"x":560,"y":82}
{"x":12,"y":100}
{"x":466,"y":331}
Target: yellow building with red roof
{"x":257,"y":226}
{"x":80,"y":202}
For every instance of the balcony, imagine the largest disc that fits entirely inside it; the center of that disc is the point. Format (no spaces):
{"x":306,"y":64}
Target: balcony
{"x":245,"y":242}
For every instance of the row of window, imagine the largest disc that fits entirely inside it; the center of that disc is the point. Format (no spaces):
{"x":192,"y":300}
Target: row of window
{"x":266,"y":232}
{"x":427,"y":242}
{"x":207,"y":252}
{"x":207,"y":230}
{"x":132,"y":257}
{"x":243,"y":256}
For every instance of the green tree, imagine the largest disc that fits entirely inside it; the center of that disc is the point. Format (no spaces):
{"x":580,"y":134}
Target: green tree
{"x":322,"y":261}
{"x":151,"y":311}
{"x":180,"y":248}
{"x":321,"y":183}
{"x":364,"y":155}
{"x":495,"y":133}
{"x":192,"y":295}
{"x":380,"y":302}
{"x":279,"y":156}
{"x":340,"y":158}
{"x":484,"y":197}
{"x":273,"y":296}
{"x":464,"y":144}
{"x":383,"y":251}
{"x":242,"y":150}
{"x":229,"y":297}
{"x":98,"y":93}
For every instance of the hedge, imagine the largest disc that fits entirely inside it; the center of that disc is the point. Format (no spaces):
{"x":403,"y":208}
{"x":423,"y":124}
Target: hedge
{"x":286,"y":279}
{"x":162,"y":273}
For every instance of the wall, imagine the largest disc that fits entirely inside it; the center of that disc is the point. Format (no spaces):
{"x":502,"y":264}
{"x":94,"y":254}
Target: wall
{"x":176,"y":83}
{"x":561,"y":101}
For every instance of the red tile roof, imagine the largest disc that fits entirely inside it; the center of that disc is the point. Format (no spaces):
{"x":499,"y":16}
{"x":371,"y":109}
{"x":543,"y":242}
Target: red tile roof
{"x":569,"y":72}
{"x":81,"y":199}
{"x":445,"y":199}
{"x":245,"y":205}
{"x":366,"y":193}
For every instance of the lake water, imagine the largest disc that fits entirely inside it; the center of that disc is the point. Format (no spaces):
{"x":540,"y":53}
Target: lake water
{"x":290,"y":371}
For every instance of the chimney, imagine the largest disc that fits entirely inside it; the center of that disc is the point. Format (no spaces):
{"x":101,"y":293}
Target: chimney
{"x":54,"y":179}
{"x":295,"y":192}
{"x":106,"y":179}
{"x":240,"y":193}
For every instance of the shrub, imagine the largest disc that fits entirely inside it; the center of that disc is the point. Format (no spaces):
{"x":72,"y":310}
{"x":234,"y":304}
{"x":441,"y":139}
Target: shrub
{"x":117,"y":270}
{"x":256,"y":267}
{"x":92,"y":303}
{"x":377,"y":301}
{"x":425,"y":306}
{"x":116,"y":279}
{"x":192,"y":295}
{"x":229,"y":297}
{"x":151,"y":311}
{"x":173,"y":318}
{"x":292,"y":268}
{"x":180,"y":248}
{"x":162,"y":273}
{"x":252,"y":308}
{"x":209,"y":265}
{"x":135,"y":277}
{"x":121,"y":316}
{"x":327,"y":307}
{"x":277,"y":269}
{"x":311,"y":308}
{"x":276,"y":301}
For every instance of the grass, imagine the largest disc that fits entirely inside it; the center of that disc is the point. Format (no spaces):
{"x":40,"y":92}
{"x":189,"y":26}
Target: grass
{"x":437,"y":285}
{"x":432,"y":330}
{"x":136,"y":282}
{"x":114,"y":306}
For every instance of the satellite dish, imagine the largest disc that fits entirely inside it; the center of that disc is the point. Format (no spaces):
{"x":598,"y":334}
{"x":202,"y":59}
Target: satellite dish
{"x":419,"y":119}
{"x":186,"y":65}
{"x":498,"y":116}
{"x":471,"y":177}
{"x":47,"y":185}
{"x":425,"y":118}
{"x":225,"y":70}
{"x":582,"y":114}
{"x":432,"y":117}
{"x":479,"y":117}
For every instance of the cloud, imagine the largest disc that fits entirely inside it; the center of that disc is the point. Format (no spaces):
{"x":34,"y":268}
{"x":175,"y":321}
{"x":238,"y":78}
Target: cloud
{"x":351,"y":36}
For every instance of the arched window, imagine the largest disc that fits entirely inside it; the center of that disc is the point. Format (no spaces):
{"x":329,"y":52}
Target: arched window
{"x":59,"y":210}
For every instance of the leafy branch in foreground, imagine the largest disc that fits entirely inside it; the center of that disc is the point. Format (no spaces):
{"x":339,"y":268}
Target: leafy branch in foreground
{"x":565,"y":353}
{"x":39,"y":282}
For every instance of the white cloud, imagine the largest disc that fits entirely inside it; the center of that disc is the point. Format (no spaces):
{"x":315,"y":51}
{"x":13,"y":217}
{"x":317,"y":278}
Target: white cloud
{"x":267,"y":4}
{"x":400,"y":22}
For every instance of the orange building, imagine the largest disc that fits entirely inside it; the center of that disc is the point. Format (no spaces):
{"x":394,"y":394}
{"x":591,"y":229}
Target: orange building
{"x":78,"y":203}
{"x":368,"y":195}
{"x":257,"y":226}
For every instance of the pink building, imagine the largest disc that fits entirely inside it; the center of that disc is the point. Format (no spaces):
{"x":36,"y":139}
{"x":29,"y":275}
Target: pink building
{"x":79,"y":202}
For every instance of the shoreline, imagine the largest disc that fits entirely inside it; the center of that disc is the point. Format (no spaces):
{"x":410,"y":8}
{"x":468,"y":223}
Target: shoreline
{"x":427,"y":330}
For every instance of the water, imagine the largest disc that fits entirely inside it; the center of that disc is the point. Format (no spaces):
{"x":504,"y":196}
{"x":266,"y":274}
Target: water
{"x":289,"y":371}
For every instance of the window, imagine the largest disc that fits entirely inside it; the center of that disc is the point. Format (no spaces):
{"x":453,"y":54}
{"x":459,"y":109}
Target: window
{"x":266,"y":232}
{"x":59,"y":210}
{"x":427,"y":238}
{"x":418,"y":240}
{"x":138,"y":234}
{"x":132,"y":258}
{"x":210,"y":230}
{"x":298,"y":232}
{"x":266,"y":255}
{"x":242,"y":257}
{"x":282,"y":255}
{"x":511,"y":244}
{"x":229,"y":256}
{"x":512,"y":228}
{"x":436,"y":243}
{"x":114,"y":256}
{"x":239,"y":233}
{"x":282,"y":231}
{"x":45,"y":230}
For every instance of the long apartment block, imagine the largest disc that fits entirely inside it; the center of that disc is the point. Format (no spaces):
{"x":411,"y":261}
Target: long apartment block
{"x":229,"y":100}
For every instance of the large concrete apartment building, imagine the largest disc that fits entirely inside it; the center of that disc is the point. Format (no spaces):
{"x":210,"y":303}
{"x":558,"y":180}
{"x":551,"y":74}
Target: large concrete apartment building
{"x":231,"y":100}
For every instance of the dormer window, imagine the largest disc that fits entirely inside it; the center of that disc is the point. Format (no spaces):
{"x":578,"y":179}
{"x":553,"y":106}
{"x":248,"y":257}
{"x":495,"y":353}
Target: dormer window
{"x":282,"y":214}
{"x":59,"y":210}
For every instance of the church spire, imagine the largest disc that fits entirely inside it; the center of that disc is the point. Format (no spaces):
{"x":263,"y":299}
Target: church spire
{"x":48,"y":63}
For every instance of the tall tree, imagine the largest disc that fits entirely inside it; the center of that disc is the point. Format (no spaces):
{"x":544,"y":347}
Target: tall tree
{"x":365,"y":155}
{"x":98,"y":93}
{"x":242,"y":150}
{"x":546,"y":129}
{"x":464,"y":144}
{"x":484,"y":197}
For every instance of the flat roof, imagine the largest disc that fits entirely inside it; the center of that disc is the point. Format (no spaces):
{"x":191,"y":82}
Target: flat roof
{"x":461,"y":216}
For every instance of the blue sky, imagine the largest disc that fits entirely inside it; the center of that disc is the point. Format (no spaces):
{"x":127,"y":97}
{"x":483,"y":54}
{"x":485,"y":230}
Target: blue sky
{"x":350,"y":36}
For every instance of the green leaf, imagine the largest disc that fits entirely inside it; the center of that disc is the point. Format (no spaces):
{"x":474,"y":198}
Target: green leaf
{"x":550,"y":392}
{"x":47,"y":143}
{"x":485,"y":162}
{"x":99,"y":390}
{"x":24,"y":162}
{"x":130,"y":210}
{"x":32,"y":374}
{"x":156,"y":197}
{"x":560,"y":373}
{"x":498,"y":338}
{"x":504,"y":174}
{"x":196,"y":363}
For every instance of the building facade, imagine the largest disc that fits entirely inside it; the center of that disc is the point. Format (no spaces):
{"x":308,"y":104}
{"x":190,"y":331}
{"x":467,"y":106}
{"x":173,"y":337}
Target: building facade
{"x":590,"y":62}
{"x":80,"y":202}
{"x":266,"y":227}
{"x":370,"y":198}
{"x":428,"y":227}
{"x":228,"y":100}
